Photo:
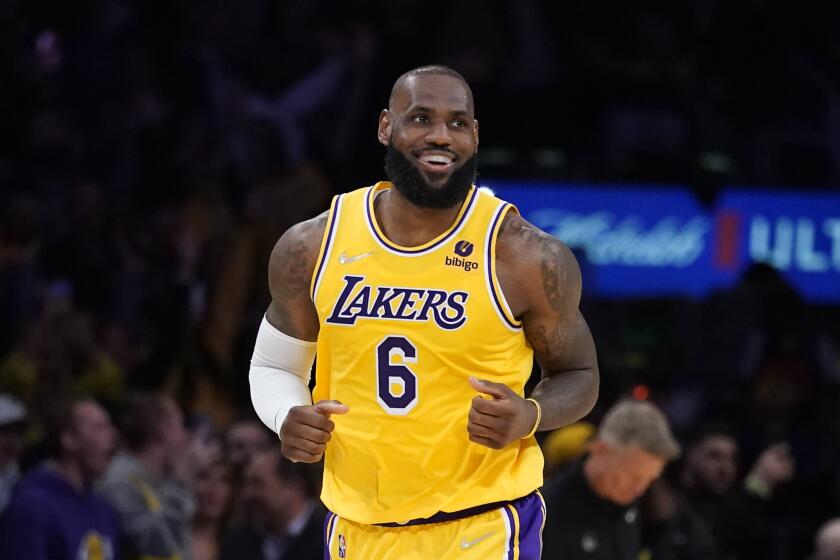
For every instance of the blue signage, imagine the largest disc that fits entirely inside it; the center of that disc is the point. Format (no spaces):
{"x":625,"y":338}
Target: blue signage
{"x":797,"y":233}
{"x":646,"y":241}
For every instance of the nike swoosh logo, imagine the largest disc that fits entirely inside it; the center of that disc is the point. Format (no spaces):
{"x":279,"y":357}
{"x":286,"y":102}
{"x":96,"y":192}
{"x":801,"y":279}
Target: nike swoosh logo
{"x":344,"y":259}
{"x":465,"y":544}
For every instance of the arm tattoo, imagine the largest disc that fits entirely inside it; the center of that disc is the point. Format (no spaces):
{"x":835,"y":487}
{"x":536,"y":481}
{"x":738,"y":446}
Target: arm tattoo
{"x":295,"y":267}
{"x":292,"y":274}
{"x":552,"y":273}
{"x":292,"y":271}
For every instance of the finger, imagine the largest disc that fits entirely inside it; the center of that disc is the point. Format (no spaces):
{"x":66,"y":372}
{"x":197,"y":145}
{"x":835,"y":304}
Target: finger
{"x":485,"y":420}
{"x":305,"y":446}
{"x":487,"y":406}
{"x":485,"y":441}
{"x":319,"y":422}
{"x":481,"y":431}
{"x":331,"y":407}
{"x":309,"y":433}
{"x":306,"y":416}
{"x":299,"y":456}
{"x":495,"y":390}
{"x":295,"y":453}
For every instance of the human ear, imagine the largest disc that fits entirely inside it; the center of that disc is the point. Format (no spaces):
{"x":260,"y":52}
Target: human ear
{"x":385,"y":127}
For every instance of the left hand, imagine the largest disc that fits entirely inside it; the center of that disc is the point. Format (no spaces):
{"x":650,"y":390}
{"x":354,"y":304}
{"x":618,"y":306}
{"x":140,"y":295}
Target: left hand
{"x":500,"y":420}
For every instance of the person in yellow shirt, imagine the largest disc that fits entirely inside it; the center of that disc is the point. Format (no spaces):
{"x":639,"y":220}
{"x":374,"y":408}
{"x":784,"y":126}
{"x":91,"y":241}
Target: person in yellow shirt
{"x":426,"y":299}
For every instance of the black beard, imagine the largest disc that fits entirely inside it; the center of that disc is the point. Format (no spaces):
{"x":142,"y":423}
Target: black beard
{"x":409,"y":181}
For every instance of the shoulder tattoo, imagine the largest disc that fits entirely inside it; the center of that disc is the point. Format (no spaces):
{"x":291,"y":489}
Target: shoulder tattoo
{"x":552,"y":272}
{"x":293,"y":268}
{"x":550,"y":249}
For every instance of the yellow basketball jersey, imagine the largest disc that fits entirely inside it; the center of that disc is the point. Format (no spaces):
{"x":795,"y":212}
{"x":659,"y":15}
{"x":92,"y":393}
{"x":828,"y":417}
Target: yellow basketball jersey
{"x":402,"y":328}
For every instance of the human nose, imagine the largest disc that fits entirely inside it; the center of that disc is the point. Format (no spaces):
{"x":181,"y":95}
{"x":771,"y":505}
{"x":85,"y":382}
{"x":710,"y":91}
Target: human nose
{"x":439,"y":134}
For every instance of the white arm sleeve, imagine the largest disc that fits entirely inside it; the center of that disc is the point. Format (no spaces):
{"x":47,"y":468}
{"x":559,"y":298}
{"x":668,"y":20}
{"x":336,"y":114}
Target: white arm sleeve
{"x":279,"y":375}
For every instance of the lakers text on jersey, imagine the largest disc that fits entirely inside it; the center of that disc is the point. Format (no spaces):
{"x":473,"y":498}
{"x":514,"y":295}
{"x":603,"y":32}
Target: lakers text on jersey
{"x":402,"y":330}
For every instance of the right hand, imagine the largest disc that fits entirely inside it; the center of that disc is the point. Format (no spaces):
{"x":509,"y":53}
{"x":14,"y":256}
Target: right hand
{"x":307,"y":429}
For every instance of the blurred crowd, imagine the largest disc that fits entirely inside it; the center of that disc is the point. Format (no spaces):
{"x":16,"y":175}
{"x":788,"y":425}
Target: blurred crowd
{"x":151,"y":154}
{"x":143,"y":483}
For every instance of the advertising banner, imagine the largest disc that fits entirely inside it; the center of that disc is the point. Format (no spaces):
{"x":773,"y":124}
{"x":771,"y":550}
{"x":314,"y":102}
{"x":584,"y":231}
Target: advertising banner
{"x":637,"y":241}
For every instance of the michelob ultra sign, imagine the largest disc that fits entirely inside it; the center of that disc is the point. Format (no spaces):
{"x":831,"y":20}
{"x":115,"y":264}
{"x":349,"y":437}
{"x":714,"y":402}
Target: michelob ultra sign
{"x":639,"y":241}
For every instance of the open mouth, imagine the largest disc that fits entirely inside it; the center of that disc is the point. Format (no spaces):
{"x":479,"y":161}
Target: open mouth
{"x":436,"y":161}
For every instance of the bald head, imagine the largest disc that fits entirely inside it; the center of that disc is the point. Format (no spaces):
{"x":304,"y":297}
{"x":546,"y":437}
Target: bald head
{"x":405,"y":82}
{"x":827,"y":541}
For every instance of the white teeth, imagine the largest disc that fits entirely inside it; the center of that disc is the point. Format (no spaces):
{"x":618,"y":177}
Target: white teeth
{"x":436,"y":158}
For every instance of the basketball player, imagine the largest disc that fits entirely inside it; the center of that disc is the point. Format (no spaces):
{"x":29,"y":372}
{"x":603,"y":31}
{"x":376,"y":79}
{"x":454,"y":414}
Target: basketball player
{"x":426,"y":300}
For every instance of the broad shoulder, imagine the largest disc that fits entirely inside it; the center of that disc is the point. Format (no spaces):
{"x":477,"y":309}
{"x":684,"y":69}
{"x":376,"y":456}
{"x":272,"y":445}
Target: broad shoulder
{"x":519,"y":236}
{"x":298,"y":247}
{"x":306,"y":234}
{"x":536,"y":265}
{"x":290,"y":270}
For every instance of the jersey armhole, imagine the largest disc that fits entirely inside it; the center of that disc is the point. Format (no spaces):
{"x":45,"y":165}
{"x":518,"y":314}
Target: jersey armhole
{"x":326,"y":246}
{"x":497,"y":297}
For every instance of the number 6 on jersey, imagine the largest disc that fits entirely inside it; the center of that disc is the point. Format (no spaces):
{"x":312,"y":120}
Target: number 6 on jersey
{"x":390,"y":376}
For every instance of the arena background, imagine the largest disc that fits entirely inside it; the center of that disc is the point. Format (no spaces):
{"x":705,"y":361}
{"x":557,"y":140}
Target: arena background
{"x":688,"y":150}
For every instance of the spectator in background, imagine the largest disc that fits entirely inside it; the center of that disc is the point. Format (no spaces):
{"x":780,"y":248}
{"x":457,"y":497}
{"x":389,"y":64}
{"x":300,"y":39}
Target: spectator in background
{"x":54,"y":514}
{"x":245,"y":438}
{"x":592,"y":508}
{"x":827,"y":541}
{"x":213,"y":497}
{"x":671,"y":528}
{"x":12,"y":436}
{"x":736,"y":514}
{"x":288,"y":520}
{"x":151,"y":482}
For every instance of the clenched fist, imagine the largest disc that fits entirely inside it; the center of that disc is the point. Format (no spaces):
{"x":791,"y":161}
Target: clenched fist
{"x":497,"y":421}
{"x":307,"y":429}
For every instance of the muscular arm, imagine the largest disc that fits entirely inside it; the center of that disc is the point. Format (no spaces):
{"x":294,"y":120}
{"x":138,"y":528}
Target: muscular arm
{"x":541,"y":281}
{"x":282,"y":360}
{"x":290,"y":271}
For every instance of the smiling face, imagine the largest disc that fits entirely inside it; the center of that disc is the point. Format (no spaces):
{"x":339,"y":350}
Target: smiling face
{"x":432,"y":138}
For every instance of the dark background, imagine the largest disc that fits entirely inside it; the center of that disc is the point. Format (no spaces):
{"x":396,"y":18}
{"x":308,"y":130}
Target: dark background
{"x":152,"y":152}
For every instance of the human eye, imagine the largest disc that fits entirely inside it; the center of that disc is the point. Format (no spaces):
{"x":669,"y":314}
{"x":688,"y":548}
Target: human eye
{"x":459,"y":123}
{"x":420,"y":118}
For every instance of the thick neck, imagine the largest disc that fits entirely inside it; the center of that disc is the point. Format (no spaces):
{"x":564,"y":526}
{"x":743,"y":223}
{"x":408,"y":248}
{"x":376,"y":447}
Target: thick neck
{"x":409,"y":225}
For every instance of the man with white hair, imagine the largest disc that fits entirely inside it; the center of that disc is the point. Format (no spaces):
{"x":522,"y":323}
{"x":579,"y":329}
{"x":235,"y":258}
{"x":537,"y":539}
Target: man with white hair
{"x":592,"y":509}
{"x":827,"y":541}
